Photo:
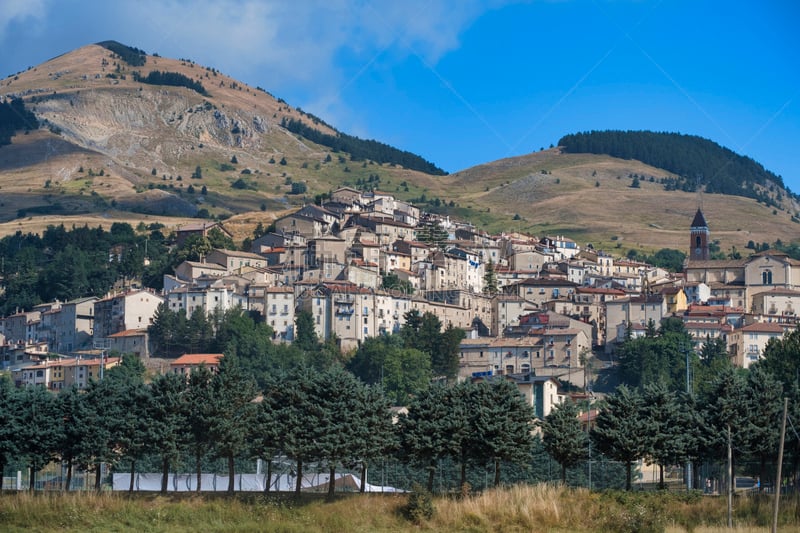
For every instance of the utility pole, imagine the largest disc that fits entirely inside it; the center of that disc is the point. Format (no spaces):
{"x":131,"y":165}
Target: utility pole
{"x":689,"y":474}
{"x":730,"y":480}
{"x":780,"y":466}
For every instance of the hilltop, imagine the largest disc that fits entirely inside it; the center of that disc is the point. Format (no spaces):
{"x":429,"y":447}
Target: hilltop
{"x":128,"y":136}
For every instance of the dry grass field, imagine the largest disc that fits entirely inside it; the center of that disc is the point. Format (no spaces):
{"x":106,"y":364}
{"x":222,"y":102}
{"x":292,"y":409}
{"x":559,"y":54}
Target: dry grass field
{"x":539,"y":508}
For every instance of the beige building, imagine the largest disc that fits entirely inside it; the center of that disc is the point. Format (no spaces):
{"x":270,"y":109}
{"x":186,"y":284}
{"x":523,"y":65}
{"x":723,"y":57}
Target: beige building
{"x":776,"y":301}
{"x":234,"y":260}
{"x":127,"y":310}
{"x":132,"y":341}
{"x":746,"y":345}
{"x":635,"y":310}
{"x":279,"y":305}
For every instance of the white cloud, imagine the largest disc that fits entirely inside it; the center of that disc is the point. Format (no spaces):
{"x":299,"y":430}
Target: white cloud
{"x":19,"y":11}
{"x":298,"y":42}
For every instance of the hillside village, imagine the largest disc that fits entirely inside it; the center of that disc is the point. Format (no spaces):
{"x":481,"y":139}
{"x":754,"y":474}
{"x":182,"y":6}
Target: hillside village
{"x":531,"y":307}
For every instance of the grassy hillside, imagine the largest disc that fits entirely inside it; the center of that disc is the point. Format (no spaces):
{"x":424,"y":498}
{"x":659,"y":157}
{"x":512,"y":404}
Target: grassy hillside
{"x":114,"y":148}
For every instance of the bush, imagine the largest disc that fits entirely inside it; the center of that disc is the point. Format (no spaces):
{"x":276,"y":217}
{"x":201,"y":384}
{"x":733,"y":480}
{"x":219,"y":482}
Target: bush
{"x":420,"y":504}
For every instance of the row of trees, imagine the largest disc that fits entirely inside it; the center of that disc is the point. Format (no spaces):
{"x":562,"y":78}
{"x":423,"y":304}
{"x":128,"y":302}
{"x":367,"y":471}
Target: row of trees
{"x":327,"y":418}
{"x":13,"y":117}
{"x":403,"y":363}
{"x":361,"y":149}
{"x":654,"y":417}
{"x":701,"y":161}
{"x":174,"y":79}
{"x":65,"y":264}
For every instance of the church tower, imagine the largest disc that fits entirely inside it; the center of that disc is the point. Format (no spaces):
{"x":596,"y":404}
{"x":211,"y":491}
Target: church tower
{"x":699,"y":240}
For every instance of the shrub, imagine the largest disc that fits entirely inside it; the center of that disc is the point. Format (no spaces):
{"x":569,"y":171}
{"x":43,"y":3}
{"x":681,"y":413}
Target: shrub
{"x":420,"y":504}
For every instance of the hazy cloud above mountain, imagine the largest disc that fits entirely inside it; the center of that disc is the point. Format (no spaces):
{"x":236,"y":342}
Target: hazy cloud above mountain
{"x":20,"y":11}
{"x":466,"y":81}
{"x":297,"y":41}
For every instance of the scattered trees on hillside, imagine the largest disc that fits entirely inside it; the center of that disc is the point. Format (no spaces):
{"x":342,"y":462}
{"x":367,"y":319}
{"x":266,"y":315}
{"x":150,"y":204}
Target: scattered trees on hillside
{"x":703,"y":162}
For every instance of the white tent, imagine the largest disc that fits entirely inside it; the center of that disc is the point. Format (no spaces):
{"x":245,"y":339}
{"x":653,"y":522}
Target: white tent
{"x":242,"y":483}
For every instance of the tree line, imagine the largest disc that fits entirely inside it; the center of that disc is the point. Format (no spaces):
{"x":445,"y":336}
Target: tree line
{"x":174,"y":79}
{"x":403,"y":363}
{"x":132,"y":56}
{"x":328,"y":419}
{"x":652,"y":414}
{"x":14,"y":117}
{"x":361,"y":149}
{"x":65,"y":264}
{"x":697,"y":161}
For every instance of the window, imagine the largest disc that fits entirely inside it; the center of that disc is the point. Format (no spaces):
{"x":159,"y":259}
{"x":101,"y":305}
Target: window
{"x":766,"y":277}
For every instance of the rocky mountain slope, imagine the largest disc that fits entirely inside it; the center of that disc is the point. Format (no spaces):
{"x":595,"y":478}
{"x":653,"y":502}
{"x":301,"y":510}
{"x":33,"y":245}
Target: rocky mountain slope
{"x":112,"y":147}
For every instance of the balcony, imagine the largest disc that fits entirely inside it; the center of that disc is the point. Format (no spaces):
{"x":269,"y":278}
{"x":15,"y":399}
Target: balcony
{"x":344,"y":310}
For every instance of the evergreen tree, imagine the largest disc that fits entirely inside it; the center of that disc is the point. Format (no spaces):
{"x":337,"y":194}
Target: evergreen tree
{"x":673,"y":436}
{"x":39,"y":429}
{"x":198,"y":409}
{"x":433,"y":429}
{"x":490,"y":286}
{"x":292,"y":404}
{"x":265,"y":434}
{"x":620,"y":430}
{"x":500,"y":424}
{"x":167,"y":421}
{"x":10,"y":410}
{"x":72,"y":409}
{"x":232,"y":413}
{"x":305,"y":336}
{"x":563,"y":437}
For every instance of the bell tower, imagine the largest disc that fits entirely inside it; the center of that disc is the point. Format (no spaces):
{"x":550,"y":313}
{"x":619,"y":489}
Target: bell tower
{"x":699,"y":238}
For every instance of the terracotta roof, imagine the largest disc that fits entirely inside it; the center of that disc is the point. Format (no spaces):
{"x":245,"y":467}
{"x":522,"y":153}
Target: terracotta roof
{"x":129,"y":333}
{"x":198,"y":359}
{"x":764,"y":327}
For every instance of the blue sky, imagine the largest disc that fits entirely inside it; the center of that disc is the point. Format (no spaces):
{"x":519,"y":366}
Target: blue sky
{"x":465,"y":82}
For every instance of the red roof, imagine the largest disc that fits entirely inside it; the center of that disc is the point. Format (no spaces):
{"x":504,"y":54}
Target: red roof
{"x":198,"y":359}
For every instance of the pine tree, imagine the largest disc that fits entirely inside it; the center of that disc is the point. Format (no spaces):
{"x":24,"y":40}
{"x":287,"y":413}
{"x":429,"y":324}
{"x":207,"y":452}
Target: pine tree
{"x":673,"y":437}
{"x":433,"y":429}
{"x":10,"y":410}
{"x":500,"y":424}
{"x":197,"y":407}
{"x":620,"y":429}
{"x":563,"y":437}
{"x":231,"y":414}
{"x":167,"y":421}
{"x":39,"y":429}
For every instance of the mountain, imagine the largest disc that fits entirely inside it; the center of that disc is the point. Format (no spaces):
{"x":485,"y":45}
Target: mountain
{"x":123,"y":135}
